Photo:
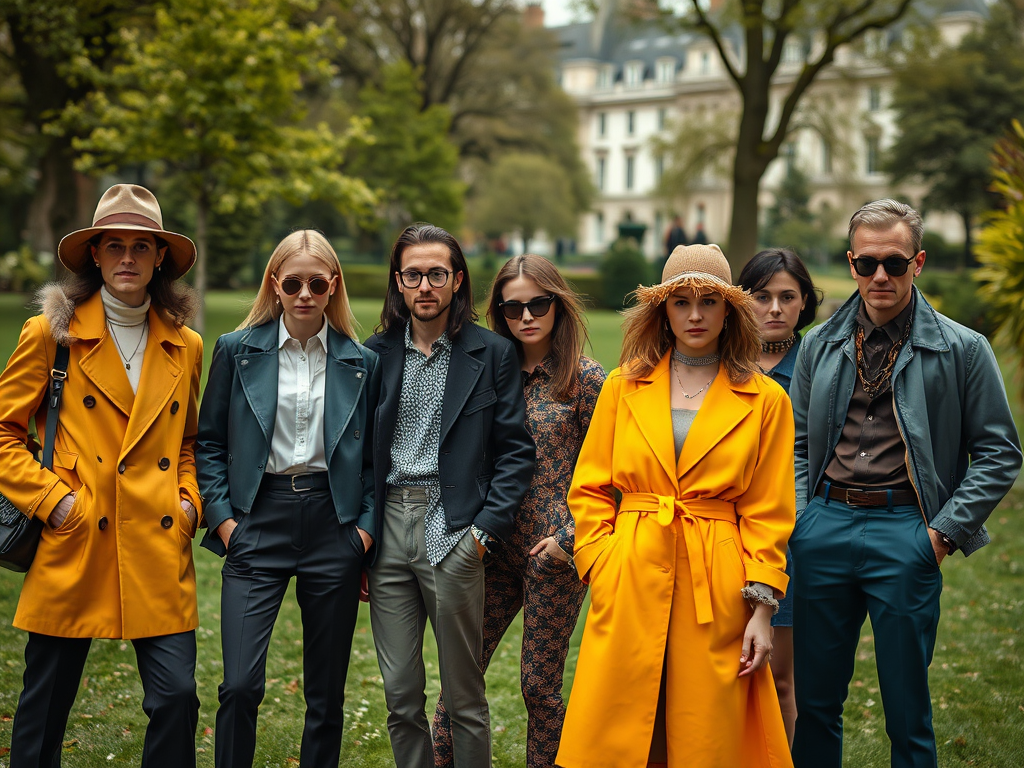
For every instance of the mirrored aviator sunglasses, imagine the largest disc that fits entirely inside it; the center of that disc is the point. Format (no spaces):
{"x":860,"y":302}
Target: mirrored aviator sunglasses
{"x":893,"y":265}
{"x":317,"y":285}
{"x":513,"y":310}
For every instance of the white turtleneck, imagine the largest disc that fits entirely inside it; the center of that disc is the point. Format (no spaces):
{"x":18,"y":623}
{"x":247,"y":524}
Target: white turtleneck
{"x":130,"y":328}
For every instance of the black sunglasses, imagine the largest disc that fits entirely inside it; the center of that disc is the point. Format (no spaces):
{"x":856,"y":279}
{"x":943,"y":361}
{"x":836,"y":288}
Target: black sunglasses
{"x":292,"y":285}
{"x":513,"y":310}
{"x":893,"y":265}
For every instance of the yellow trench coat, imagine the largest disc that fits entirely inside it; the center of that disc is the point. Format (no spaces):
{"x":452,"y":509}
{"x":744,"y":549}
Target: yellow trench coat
{"x":120,"y":566}
{"x":666,"y":570}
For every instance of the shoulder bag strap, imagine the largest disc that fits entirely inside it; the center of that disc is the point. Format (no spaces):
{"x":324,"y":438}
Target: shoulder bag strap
{"x":57,"y":377}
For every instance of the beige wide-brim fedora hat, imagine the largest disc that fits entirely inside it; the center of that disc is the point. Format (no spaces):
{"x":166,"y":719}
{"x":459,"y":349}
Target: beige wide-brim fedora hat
{"x":127,"y":207}
{"x":701,"y":268}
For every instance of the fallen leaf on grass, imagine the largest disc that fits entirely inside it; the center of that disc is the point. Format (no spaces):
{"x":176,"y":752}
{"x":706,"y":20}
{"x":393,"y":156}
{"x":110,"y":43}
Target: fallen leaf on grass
{"x":292,"y":760}
{"x":292,"y":687}
{"x":70,"y":743}
{"x":5,"y":718}
{"x":207,"y":731}
{"x":5,"y":751}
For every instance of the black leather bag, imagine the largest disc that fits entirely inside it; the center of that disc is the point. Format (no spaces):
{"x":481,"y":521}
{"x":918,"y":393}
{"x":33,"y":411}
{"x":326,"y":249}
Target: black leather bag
{"x":19,"y":534}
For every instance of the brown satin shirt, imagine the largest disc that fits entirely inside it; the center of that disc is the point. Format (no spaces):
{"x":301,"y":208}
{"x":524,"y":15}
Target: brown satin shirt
{"x":871,"y":452}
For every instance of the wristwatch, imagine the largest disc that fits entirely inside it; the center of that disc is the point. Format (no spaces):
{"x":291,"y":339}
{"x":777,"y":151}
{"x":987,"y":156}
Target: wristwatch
{"x":950,"y":544}
{"x":482,"y":536}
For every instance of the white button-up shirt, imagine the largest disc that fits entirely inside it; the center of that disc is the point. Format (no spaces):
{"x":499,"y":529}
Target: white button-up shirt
{"x":298,"y":443}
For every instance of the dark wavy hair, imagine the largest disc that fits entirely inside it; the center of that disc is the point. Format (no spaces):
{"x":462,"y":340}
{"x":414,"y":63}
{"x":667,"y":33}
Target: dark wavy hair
{"x":569,"y":333}
{"x":759,"y":271}
{"x":175,"y":299}
{"x":461,"y":310}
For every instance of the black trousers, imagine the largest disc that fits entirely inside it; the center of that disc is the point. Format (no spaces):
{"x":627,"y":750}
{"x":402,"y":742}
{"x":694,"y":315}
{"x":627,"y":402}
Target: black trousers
{"x":288,"y":534}
{"x":53,"y":671}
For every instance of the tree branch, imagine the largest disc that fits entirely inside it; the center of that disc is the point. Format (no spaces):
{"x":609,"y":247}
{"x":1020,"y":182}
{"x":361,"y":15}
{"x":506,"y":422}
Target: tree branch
{"x":705,"y":25}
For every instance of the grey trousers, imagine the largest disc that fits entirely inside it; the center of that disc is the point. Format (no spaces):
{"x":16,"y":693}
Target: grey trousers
{"x":405,"y":590}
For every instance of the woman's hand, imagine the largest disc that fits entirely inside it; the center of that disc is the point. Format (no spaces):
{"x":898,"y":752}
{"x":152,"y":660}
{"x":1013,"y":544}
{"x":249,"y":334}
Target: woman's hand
{"x":550,"y":546}
{"x":60,"y":512}
{"x":757,"y":641}
{"x":190,"y":512}
{"x":225,"y":529}
{"x":366,"y":538}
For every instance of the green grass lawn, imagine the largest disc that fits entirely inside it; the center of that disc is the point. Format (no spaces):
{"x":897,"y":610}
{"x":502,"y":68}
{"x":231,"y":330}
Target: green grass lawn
{"x":977,"y":675}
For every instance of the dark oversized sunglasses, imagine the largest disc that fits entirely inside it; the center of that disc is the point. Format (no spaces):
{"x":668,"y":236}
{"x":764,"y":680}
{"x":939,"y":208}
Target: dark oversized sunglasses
{"x":317,"y":285}
{"x":513,"y":310}
{"x":893,"y":265}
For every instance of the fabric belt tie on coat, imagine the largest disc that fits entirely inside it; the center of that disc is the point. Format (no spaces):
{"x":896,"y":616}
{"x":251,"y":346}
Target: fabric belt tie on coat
{"x":688,"y":510}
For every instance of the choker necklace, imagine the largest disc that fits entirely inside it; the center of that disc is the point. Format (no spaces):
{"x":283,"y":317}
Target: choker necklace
{"x":695,"y":361}
{"x":774,"y":347}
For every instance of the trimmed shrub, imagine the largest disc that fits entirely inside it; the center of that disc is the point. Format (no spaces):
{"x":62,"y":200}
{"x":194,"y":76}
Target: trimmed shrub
{"x":622,"y":270}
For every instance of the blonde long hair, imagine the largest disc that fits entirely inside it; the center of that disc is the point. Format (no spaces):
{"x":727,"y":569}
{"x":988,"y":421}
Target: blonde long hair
{"x":265,"y":306}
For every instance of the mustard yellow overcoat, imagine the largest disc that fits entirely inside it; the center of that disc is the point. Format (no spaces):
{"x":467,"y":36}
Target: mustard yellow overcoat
{"x":666,"y":570}
{"x":120,"y":566}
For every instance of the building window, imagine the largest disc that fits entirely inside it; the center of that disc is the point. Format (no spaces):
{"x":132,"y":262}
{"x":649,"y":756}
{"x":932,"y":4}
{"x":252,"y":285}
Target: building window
{"x":630,"y":170}
{"x":705,"y":63}
{"x":662,"y":118}
{"x":874,"y":156}
{"x":630,"y":122}
{"x":875,"y":42}
{"x":606,"y":76}
{"x":789,"y":154}
{"x":793,"y":52}
{"x":634,"y":74}
{"x":599,"y":171}
{"x":666,"y":72}
{"x":874,"y":98}
{"x":602,"y":124}
{"x":826,"y":157}
{"x":659,"y":167}
{"x":599,"y":228}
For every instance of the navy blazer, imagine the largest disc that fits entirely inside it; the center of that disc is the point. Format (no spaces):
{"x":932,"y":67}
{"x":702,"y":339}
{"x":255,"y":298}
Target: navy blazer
{"x":236,"y":426}
{"x":486,"y":455}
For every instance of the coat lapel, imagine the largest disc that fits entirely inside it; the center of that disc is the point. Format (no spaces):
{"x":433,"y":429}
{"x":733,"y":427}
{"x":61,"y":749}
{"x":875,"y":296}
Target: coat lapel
{"x":345,"y":379}
{"x":463,"y":373}
{"x":650,"y":405}
{"x":160,"y":375}
{"x":102,"y":364}
{"x":257,"y":372}
{"x":723,"y":409}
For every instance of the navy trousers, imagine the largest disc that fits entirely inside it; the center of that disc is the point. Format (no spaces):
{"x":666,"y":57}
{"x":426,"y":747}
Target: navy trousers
{"x":853,"y":562}
{"x":53,"y":671}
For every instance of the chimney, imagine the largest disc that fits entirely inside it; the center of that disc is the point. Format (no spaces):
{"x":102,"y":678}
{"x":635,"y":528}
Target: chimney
{"x":533,"y":16}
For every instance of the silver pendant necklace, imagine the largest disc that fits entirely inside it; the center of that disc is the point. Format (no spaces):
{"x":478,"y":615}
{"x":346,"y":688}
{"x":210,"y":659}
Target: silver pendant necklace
{"x":127,"y":360}
{"x":682,"y":390}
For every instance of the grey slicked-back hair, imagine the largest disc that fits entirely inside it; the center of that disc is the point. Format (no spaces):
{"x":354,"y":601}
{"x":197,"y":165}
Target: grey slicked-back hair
{"x":886,"y":214}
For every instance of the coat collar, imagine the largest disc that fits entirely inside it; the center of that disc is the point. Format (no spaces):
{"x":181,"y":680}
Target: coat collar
{"x":926,"y":332}
{"x":725,"y":405}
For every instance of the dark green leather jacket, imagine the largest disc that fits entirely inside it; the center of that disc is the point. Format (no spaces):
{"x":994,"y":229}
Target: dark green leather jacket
{"x":963,"y":451}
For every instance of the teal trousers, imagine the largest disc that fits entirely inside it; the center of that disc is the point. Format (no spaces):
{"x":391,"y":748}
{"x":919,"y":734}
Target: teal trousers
{"x":853,"y":562}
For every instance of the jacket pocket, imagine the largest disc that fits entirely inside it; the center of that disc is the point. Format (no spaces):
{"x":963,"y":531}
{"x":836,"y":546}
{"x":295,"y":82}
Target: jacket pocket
{"x":479,"y":401}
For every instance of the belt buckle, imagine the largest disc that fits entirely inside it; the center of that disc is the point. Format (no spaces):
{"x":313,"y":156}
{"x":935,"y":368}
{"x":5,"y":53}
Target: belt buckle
{"x":862,"y":492}
{"x":300,"y":490}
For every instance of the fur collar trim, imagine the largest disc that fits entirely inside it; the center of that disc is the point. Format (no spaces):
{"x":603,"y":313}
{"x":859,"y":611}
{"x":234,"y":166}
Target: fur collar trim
{"x":58,"y":310}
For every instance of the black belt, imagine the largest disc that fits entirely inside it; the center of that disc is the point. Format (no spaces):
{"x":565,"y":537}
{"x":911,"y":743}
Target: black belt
{"x":862,"y":497}
{"x":309,"y":481}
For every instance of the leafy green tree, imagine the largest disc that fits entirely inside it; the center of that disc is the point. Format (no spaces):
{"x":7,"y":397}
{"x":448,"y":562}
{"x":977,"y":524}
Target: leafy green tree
{"x":215,"y":98}
{"x":1000,"y":248}
{"x":411,"y":162}
{"x":525,"y":193}
{"x":769,"y":103}
{"x":495,"y":75}
{"x":952,"y":105}
{"x":39,"y":41}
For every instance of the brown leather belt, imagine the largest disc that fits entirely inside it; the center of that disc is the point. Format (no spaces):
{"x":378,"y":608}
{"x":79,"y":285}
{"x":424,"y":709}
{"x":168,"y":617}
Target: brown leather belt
{"x":859,"y":497}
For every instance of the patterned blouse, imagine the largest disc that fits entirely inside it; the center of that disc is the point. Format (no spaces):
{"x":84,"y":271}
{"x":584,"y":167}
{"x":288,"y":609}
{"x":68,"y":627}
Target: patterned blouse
{"x":558,"y":427}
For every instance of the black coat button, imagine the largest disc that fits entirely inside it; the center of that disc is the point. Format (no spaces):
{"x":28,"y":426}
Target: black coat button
{"x":166,"y":521}
{"x":356,"y":434}
{"x":121,"y":468}
{"x":103,"y":523}
{"x":164,"y":463}
{"x":174,"y":407}
{"x":89,"y":401}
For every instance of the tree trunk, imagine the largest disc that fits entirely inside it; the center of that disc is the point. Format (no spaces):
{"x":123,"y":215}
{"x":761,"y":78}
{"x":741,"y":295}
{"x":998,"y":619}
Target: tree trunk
{"x":751,"y":160}
{"x":202,"y":215}
{"x":969,"y":260}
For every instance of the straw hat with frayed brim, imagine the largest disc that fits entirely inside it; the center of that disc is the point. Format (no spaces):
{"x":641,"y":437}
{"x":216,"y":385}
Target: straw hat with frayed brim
{"x":126,"y":207}
{"x":702,"y":269}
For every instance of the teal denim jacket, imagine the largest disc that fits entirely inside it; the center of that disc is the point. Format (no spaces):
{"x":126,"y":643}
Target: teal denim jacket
{"x":963,"y":451}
